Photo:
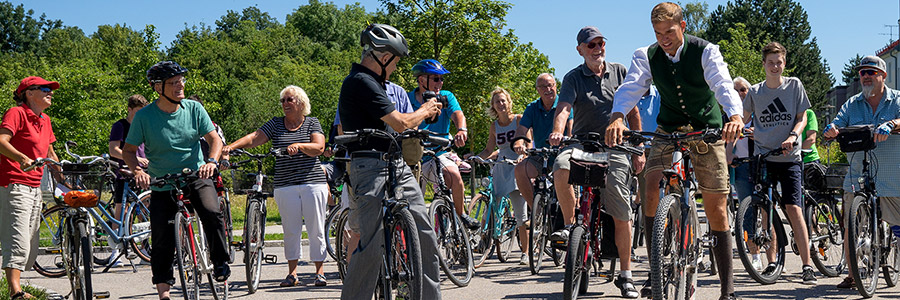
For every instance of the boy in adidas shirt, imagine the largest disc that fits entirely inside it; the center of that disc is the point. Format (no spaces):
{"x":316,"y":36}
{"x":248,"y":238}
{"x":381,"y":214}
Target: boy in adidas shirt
{"x":778,"y":107}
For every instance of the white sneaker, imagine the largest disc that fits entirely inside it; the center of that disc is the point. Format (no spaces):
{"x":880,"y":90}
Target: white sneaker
{"x":114,"y":255}
{"x":757,"y":264}
{"x":524,"y":260}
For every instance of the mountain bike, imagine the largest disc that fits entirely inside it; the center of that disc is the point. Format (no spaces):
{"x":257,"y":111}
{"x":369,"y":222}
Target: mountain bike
{"x":401,"y":265}
{"x":584,"y":248}
{"x":826,"y":231}
{"x":497,"y":226}
{"x":452,"y":236}
{"x":253,"y":241}
{"x":873,"y":245}
{"x":675,"y":247}
{"x":192,"y":253}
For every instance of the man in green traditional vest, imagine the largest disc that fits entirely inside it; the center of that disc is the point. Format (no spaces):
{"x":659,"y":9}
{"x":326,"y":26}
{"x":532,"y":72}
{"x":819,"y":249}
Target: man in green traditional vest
{"x":691,"y":77}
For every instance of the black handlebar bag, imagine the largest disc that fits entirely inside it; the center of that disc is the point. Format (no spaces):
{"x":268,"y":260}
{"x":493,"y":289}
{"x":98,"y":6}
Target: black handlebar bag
{"x":588,"y":168}
{"x":856,"y":138}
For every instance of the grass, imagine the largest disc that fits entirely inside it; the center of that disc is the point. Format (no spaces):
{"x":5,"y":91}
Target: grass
{"x":238,"y":213}
{"x":268,"y":237}
{"x":37,"y":293}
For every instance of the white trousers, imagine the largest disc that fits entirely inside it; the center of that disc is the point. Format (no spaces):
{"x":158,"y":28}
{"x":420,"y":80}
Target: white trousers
{"x":297,"y":203}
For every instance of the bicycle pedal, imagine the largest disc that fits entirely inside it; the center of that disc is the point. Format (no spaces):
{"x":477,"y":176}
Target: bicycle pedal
{"x":101,"y":295}
{"x":237,"y":244}
{"x":271,"y":258}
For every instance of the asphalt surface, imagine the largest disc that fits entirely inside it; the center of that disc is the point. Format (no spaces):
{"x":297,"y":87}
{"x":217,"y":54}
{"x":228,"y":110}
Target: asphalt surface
{"x":494,"y":280}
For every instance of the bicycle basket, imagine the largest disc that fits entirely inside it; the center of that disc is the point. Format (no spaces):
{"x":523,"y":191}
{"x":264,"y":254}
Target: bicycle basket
{"x":856,"y":138}
{"x":242,"y":181}
{"x":834,"y":175}
{"x":80,"y":198}
{"x":588,"y":168}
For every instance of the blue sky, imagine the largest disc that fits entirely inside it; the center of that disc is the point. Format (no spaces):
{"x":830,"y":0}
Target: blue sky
{"x":841,"y":29}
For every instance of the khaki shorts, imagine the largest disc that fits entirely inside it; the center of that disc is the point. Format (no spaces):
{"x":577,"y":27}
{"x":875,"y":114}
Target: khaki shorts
{"x":709,"y":163}
{"x":616,"y":197}
{"x":20,"y":219}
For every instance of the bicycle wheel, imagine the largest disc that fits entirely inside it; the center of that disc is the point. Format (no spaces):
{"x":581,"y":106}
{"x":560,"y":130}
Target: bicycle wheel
{"x":667,"y":265}
{"x":186,"y":259}
{"x":341,"y":242}
{"x":480,"y":239}
{"x":575,"y":263}
{"x":509,"y":236}
{"x":864,"y":254}
{"x":81,"y":261}
{"x":891,"y":269}
{"x":225,"y":204}
{"x":139,"y":222}
{"x":407,"y":257}
{"x":826,"y":239}
{"x":453,"y":243}
{"x":49,"y":261}
{"x":330,"y":230}
{"x":537,"y":234}
{"x":254,"y":242}
{"x":750,"y":224}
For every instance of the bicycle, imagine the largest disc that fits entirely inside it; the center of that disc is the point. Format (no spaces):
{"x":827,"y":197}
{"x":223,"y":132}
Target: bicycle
{"x":675,"y":247}
{"x":253,"y":239}
{"x":544,"y":210}
{"x":401,"y":265}
{"x":874,"y":245}
{"x":497,"y":226}
{"x":192,"y":254}
{"x":583,"y":247}
{"x":825,"y":222}
{"x":73,"y":224}
{"x":452,"y":236}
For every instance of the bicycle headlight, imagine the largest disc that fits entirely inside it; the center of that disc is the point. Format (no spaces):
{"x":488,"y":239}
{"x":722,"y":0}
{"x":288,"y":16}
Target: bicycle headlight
{"x":485,"y":182}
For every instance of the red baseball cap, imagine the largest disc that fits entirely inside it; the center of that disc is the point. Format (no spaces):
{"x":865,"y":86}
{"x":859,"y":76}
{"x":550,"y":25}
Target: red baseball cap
{"x":34,"y":80}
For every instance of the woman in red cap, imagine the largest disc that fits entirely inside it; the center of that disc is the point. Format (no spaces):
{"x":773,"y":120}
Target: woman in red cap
{"x":25,"y":135}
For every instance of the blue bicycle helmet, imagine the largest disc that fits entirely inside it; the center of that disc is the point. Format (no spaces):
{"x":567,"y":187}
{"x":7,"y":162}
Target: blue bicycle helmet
{"x":429,"y":66}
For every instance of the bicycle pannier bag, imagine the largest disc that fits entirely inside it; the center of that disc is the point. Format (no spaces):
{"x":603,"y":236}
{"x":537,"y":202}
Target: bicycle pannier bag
{"x":856,"y":138}
{"x":588,"y":168}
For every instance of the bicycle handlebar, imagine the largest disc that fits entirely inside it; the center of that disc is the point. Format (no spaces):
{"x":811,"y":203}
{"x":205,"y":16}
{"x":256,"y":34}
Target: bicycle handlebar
{"x":595,"y":139}
{"x":186,"y":174}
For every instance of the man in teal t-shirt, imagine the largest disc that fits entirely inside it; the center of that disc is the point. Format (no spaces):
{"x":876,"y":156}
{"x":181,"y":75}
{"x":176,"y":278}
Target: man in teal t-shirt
{"x":170,"y":129}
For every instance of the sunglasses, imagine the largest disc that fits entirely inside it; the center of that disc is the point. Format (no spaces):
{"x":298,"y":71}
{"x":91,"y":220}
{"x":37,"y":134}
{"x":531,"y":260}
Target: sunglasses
{"x":742,"y":90}
{"x":44,"y":89}
{"x":868,"y":72}
{"x":593,"y":45}
{"x":437,"y":79}
{"x":288,"y":99}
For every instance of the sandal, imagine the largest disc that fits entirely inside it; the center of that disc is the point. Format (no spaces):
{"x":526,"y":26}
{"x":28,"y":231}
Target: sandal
{"x":320,"y":280}
{"x":21,"y":295}
{"x":290,"y":280}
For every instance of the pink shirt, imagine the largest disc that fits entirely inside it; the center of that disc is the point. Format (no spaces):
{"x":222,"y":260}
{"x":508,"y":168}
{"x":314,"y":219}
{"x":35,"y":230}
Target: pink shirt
{"x":31,"y":135}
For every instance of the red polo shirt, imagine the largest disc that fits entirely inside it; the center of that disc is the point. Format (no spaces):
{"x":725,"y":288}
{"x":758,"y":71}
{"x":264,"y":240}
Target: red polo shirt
{"x":31,"y":135}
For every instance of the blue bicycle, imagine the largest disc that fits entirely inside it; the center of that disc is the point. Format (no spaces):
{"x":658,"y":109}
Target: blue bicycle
{"x":498,"y":226}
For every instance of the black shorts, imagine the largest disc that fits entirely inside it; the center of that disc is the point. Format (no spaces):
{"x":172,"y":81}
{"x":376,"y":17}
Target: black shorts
{"x":789,"y":175}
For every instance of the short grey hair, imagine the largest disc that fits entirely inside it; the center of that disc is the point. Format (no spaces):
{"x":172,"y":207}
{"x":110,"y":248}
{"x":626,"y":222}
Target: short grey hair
{"x":742,"y":80}
{"x":294,"y":90}
{"x":548,"y":75}
{"x":369,"y":52}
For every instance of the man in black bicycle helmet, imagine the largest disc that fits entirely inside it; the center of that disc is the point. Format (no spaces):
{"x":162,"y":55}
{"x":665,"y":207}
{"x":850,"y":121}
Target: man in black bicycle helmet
{"x":170,"y":130}
{"x":363,"y":103}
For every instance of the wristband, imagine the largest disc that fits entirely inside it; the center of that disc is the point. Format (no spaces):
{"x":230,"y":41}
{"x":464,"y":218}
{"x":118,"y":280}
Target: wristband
{"x":462,"y":129}
{"x":829,"y":127}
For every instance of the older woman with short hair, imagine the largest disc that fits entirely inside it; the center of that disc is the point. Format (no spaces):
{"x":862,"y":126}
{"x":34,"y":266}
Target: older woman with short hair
{"x":25,"y":135}
{"x":301,"y":190}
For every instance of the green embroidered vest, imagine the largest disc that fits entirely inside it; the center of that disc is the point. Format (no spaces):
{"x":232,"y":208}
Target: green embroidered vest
{"x":685,"y":98}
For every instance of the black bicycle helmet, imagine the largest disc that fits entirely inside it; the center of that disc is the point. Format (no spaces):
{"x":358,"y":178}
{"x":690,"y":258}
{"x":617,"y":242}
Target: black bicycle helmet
{"x":164,"y":70}
{"x":384,"y":38}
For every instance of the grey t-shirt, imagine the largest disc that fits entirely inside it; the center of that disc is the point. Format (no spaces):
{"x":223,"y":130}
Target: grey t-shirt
{"x":591,"y":96}
{"x":774,"y":115}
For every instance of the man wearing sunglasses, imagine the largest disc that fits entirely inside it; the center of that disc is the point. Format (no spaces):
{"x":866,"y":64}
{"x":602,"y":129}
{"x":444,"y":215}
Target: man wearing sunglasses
{"x":691,"y":77}
{"x":429,"y":75}
{"x":589,"y":90}
{"x":876,"y":105}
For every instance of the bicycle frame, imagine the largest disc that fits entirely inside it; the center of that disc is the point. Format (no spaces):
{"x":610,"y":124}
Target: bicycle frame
{"x":118,"y":235}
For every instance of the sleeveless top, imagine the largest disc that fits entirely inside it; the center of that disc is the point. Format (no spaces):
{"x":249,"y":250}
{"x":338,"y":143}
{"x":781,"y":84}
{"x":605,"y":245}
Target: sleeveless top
{"x":504,"y":177}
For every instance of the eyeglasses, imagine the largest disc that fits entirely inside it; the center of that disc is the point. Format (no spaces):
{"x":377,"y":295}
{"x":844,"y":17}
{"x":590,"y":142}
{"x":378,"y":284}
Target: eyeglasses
{"x":743,"y":89}
{"x":867,"y":72}
{"x":176,"y":82}
{"x":288,"y":99}
{"x":593,"y":45}
{"x":44,"y":89}
{"x":546,"y":86}
{"x":437,"y":79}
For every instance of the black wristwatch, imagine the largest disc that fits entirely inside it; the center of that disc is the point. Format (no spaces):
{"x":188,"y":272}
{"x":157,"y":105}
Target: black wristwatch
{"x":212,"y":160}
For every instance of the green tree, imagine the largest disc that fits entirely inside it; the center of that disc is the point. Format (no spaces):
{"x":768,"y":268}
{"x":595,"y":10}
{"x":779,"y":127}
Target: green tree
{"x":325,"y":23}
{"x":19,"y":31}
{"x":743,"y":55}
{"x":849,"y":72}
{"x":782,"y":21}
{"x":696,"y":16}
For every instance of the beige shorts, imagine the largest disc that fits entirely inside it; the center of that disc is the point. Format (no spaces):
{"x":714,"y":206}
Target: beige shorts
{"x":20,"y":219}
{"x":709,"y":163}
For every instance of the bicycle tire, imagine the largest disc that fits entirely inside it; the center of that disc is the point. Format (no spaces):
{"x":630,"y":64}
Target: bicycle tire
{"x":667,"y":274}
{"x":575,"y":263}
{"x":49,"y":261}
{"x":891,"y":270}
{"x":407,"y":253}
{"x":341,"y":247}
{"x":225,"y":207}
{"x":139,"y":218}
{"x":826,"y":239}
{"x":751,"y":212}
{"x":860,"y":230}
{"x":188,"y":271}
{"x":481,"y":240}
{"x":509,"y":235}
{"x":453,"y":243}
{"x":254,"y":242}
{"x":82,"y":261}
{"x":330,"y":232}
{"x":537,"y":234}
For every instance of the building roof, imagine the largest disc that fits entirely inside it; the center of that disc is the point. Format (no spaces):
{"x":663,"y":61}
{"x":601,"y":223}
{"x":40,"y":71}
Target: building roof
{"x":887,"y":48}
